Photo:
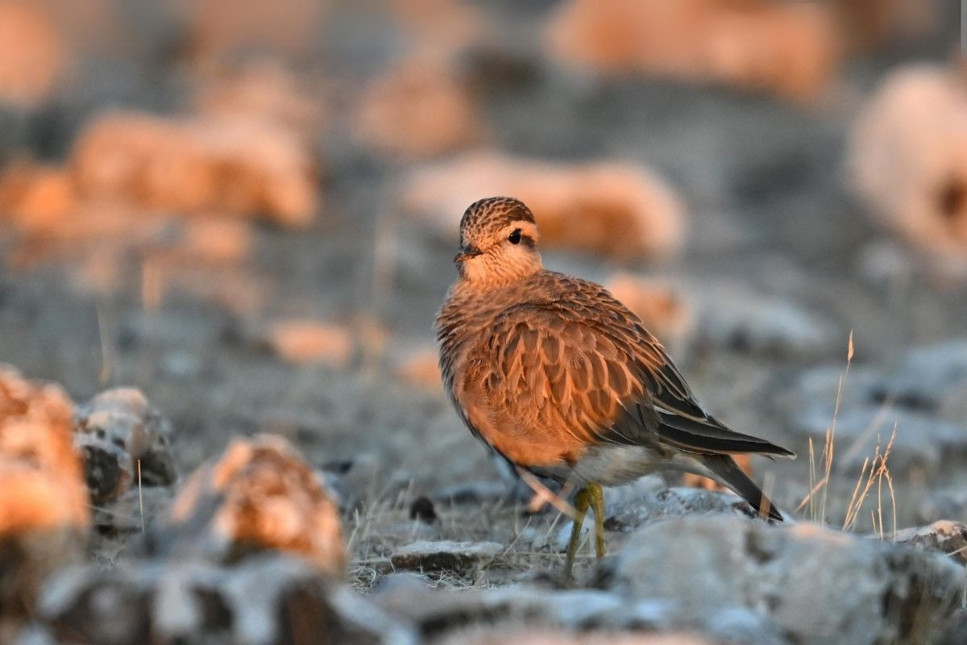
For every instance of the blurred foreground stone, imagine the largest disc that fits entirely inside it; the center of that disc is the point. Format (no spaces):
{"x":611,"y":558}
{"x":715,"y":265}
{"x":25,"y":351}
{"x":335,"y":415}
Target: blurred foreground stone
{"x":258,"y":496}
{"x":263,"y":600}
{"x":592,"y":614}
{"x":616,"y":209}
{"x":907,"y":161}
{"x":235,"y":165}
{"x":115,"y":431}
{"x":551,"y":636}
{"x":790,"y":577}
{"x":788,"y":48}
{"x":44,"y":513}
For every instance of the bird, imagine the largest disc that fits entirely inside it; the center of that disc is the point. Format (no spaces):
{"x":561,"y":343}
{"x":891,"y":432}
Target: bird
{"x":564,"y":382}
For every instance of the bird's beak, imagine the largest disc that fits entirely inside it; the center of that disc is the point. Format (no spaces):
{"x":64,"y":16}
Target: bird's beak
{"x":466,"y":252}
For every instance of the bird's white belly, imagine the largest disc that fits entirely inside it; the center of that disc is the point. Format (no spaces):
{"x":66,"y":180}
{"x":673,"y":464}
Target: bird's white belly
{"x":614,"y":465}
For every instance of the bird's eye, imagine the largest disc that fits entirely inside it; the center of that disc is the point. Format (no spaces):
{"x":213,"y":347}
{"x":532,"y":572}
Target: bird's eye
{"x":514,"y":237}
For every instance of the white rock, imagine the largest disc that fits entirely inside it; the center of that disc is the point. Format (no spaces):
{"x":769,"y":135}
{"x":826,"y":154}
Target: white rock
{"x":814,"y":584}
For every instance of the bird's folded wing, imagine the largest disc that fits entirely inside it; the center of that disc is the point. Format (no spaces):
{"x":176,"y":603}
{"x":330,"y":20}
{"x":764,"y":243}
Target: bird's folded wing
{"x":591,"y":370}
{"x":556,"y":371}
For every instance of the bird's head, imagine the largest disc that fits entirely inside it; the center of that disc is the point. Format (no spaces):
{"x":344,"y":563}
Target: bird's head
{"x":498,"y":243}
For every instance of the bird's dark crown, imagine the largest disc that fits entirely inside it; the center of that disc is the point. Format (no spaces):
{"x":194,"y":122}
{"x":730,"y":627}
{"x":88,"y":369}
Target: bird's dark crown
{"x":485,"y":217}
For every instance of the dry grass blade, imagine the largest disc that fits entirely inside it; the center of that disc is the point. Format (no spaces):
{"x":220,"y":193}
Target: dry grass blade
{"x":878,"y":471}
{"x":828,"y":447}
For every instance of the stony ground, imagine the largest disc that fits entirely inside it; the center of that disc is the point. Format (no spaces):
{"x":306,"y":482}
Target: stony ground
{"x":780,"y":267}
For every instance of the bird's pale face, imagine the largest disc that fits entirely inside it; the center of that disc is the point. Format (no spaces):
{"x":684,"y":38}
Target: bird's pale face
{"x":493,"y":256}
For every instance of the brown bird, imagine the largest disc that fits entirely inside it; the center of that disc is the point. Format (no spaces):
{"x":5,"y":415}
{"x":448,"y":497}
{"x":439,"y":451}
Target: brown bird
{"x":564,"y":381}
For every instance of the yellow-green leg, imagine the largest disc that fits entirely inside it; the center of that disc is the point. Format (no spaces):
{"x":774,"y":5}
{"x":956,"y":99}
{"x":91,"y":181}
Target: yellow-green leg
{"x":591,"y":495}
{"x":597,"y":505}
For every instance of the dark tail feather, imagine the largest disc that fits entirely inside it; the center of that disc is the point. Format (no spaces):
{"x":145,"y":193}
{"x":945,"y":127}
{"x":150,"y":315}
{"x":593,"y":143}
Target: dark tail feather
{"x":729,"y":473}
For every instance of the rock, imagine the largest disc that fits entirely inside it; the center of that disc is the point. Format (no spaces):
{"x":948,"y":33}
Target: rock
{"x":617,"y":209}
{"x":941,"y":504}
{"x":133,"y":511}
{"x":262,"y":90}
{"x":441,"y":555}
{"x":791,"y":577}
{"x":949,"y":538}
{"x":923,"y":443}
{"x":449,"y":616}
{"x":904,"y":160}
{"x":921,"y":395}
{"x":108,"y":470}
{"x":214,"y":34}
{"x":788,"y":49}
{"x":44,"y":513}
{"x":123,"y":440}
{"x":422,"y":108}
{"x":262,"y":600}
{"x":35,"y":197}
{"x":420,"y":367}
{"x":664,"y":310}
{"x":878,"y":25}
{"x":258,"y":496}
{"x":197,"y":164}
{"x":33,"y":54}
{"x":422,"y":509}
{"x":441,"y":29}
{"x":549,"y":636}
{"x":734,"y":316}
{"x":208,"y":241}
{"x":927,"y":378}
{"x":307,"y":342}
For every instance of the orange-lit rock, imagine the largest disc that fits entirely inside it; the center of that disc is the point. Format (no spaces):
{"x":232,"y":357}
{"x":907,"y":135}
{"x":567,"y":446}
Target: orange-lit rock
{"x":265,"y":91}
{"x":418,"y":109}
{"x":908,"y":158}
{"x":613,"y":208}
{"x":43,"y":487}
{"x":870,"y":24}
{"x":210,"y":240}
{"x":788,"y":48}
{"x":310,"y":341}
{"x":33,"y":56}
{"x":237,"y":165}
{"x":420,"y":368}
{"x":220,"y":30}
{"x":35,"y":197}
{"x":44,"y":512}
{"x":664,"y":311}
{"x":259,"y":496}
{"x":441,"y":28}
